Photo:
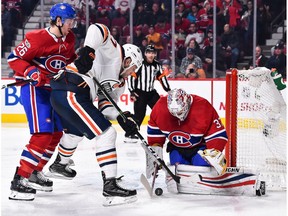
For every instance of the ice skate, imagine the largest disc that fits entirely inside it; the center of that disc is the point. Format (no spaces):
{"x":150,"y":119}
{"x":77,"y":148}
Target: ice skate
{"x":116,"y":195}
{"x":62,"y":171}
{"x":38,"y":181}
{"x":20,"y":190}
{"x":131,"y":139}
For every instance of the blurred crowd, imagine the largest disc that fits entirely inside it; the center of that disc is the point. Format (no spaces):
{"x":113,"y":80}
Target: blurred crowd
{"x":193,"y":29}
{"x":13,"y":14}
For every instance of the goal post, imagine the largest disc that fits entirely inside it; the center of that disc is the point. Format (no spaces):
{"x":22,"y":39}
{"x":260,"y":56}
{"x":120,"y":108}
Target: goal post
{"x":256,"y":125}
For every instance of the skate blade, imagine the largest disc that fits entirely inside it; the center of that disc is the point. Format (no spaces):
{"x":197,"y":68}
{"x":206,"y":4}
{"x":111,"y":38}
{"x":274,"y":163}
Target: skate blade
{"x":114,"y":201}
{"x":21,"y":196}
{"x":57,"y":176}
{"x":39,"y":187}
{"x":130,"y":140}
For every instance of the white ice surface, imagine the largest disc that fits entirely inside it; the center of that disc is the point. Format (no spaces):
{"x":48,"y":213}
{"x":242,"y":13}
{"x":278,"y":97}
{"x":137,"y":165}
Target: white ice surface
{"x":82,"y":196}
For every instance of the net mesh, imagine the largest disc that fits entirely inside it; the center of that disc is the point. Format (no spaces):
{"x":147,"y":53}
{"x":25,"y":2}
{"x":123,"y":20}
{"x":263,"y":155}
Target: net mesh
{"x":261,"y":127}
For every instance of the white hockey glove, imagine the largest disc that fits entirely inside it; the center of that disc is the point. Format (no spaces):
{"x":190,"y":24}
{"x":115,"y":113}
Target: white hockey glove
{"x":151,"y":160}
{"x":215,"y":158}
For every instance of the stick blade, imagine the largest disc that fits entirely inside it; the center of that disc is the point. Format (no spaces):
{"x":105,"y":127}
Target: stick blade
{"x":146,"y":184}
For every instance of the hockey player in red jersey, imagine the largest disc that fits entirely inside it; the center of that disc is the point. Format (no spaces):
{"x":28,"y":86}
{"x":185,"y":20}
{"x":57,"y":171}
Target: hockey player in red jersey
{"x":196,"y":140}
{"x":38,"y":57}
{"x":190,"y":123}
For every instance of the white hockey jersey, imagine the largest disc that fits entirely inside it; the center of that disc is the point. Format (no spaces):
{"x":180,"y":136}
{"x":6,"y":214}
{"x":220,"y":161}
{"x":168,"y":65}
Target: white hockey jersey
{"x":106,"y":68}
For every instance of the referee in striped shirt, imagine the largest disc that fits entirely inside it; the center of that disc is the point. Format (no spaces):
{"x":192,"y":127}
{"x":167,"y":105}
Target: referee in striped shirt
{"x":141,"y":86}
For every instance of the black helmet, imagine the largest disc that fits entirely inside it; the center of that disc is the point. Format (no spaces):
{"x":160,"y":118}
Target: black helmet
{"x":150,"y":48}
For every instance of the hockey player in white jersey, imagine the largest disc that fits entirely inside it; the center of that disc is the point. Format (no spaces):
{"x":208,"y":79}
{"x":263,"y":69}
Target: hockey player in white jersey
{"x":72,"y":98}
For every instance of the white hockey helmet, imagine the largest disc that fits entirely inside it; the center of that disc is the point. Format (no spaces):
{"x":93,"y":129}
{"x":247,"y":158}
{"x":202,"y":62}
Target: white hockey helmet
{"x":134,"y":53}
{"x":179,"y":103}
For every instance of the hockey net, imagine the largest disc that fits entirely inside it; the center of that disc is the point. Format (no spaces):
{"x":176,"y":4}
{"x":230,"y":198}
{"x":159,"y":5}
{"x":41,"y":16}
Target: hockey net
{"x":256,"y":125}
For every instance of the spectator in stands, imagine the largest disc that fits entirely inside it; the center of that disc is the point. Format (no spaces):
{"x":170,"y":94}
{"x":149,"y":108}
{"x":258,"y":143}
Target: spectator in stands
{"x":154,"y":38}
{"x":155,"y":14}
{"x":278,"y":60}
{"x":180,"y":36}
{"x":193,"y":32}
{"x":181,"y":10}
{"x":14,"y":8}
{"x":140,"y":15}
{"x":177,"y":61}
{"x":181,"y":23}
{"x":128,"y":40}
{"x":207,"y":58}
{"x":264,"y":19}
{"x":247,"y":28}
{"x":82,"y":16}
{"x":194,"y":45}
{"x":166,"y":66}
{"x":260,"y":58}
{"x":6,"y":24}
{"x":162,"y":26}
{"x":143,"y":45}
{"x":115,"y":33}
{"x":105,"y":8}
{"x":122,"y":8}
{"x":280,"y":42}
{"x":191,"y":66}
{"x":192,"y":15}
{"x":209,"y":34}
{"x":205,"y":16}
{"x":231,"y":12}
{"x":230,"y":44}
{"x":138,"y":36}
{"x":187,"y":3}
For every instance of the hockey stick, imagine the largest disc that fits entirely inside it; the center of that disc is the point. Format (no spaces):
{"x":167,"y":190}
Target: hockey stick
{"x":145,"y":145}
{"x":23,"y":82}
{"x":18,"y":83}
{"x":145,"y":182}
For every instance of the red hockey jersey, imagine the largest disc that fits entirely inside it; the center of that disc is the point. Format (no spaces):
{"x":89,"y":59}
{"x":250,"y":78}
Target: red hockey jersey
{"x":44,"y":50}
{"x":201,"y":126}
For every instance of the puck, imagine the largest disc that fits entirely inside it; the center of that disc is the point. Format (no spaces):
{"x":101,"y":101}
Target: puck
{"x":158,"y":191}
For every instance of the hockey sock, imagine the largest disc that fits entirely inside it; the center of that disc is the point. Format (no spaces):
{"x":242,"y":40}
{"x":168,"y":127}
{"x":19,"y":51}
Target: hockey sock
{"x":106,"y":152}
{"x":32,"y":153}
{"x":56,"y":136}
{"x":67,"y":146}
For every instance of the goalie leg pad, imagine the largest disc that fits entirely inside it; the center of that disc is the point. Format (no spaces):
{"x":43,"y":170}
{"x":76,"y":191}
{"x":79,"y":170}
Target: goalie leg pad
{"x":205,"y":180}
{"x":170,"y":182}
{"x":151,"y":160}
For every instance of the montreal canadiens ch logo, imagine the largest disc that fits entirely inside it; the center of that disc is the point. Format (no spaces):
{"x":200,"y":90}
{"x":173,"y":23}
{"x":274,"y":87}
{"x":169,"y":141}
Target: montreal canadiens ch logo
{"x":180,"y":139}
{"x":55,"y":63}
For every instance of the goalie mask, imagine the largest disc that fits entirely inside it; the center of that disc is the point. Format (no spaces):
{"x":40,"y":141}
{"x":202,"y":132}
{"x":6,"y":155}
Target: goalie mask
{"x":179,"y":103}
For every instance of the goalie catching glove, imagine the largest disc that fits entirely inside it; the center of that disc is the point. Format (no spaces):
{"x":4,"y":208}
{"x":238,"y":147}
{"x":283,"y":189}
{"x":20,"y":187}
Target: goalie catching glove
{"x":128,"y":124}
{"x":215,"y":158}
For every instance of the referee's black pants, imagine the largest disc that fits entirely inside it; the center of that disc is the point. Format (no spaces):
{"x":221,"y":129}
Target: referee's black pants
{"x":144,"y":99}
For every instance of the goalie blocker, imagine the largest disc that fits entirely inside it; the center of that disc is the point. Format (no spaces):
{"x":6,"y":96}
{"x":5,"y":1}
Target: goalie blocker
{"x":205,"y":180}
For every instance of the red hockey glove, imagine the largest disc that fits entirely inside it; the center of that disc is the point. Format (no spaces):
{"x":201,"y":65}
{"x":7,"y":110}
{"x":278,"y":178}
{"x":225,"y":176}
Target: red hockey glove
{"x":34,"y":74}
